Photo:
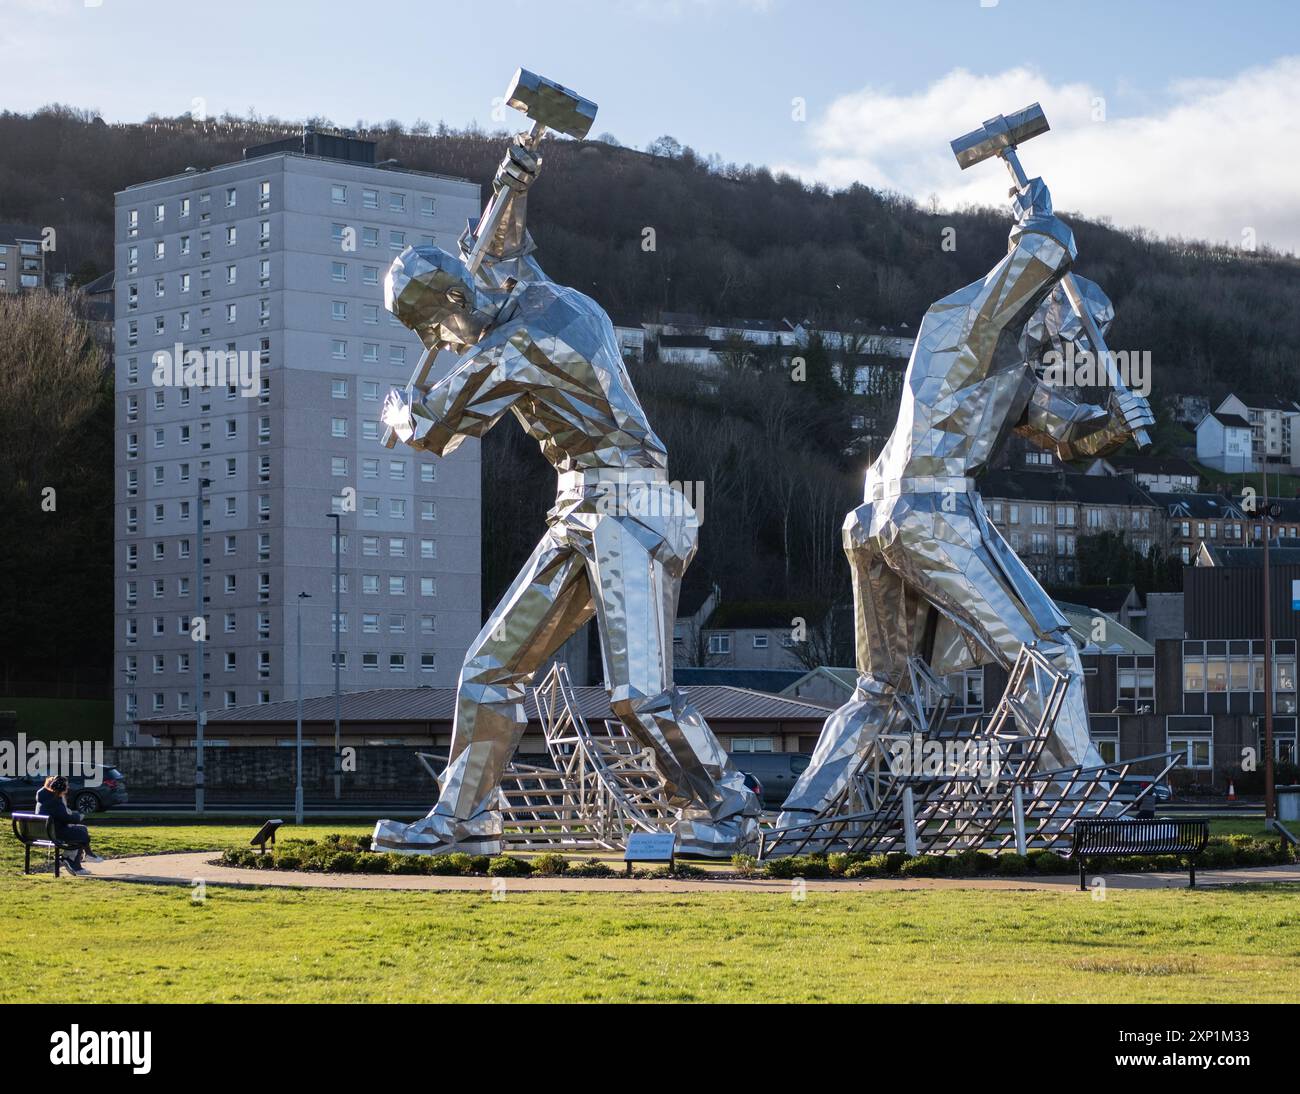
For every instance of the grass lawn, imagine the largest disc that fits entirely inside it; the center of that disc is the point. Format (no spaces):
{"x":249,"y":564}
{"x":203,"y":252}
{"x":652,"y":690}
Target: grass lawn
{"x":109,"y":941}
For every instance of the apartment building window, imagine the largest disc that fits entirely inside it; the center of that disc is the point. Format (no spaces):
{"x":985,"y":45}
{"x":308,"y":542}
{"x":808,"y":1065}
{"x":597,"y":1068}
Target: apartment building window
{"x":397,"y":470}
{"x":397,"y":355}
{"x":339,"y":623}
{"x":370,"y":507}
{"x":159,"y":250}
{"x":427,"y":206}
{"x":396,"y":585}
{"x":397,"y":508}
{"x":183,"y":208}
{"x":263,"y":625}
{"x":370,"y":313}
{"x":264,"y":272}
{"x":1065,"y":516}
{"x":370,"y":199}
{"x":339,"y":310}
{"x":396,"y":239}
{"x":397,"y":203}
{"x":397,"y":662}
{"x":339,"y":349}
{"x":428,"y":662}
{"x":338,"y":427}
{"x":428,"y":548}
{"x":341,"y":659}
{"x":428,"y":586}
{"x":185,"y":245}
{"x":370,"y":275}
{"x":338,"y":194}
{"x":370,"y":237}
{"x":263,"y":663}
{"x":133,"y":222}
{"x":264,"y":194}
{"x":719,"y":643}
{"x":396,"y":547}
{"x":339,"y":271}
{"x":370,"y":584}
{"x":370,"y":662}
{"x":232,"y":235}
{"x":428,"y":510}
{"x":428,"y":624}
{"x":132,"y":259}
{"x":370,"y":545}
{"x":370,"y":352}
{"x":232,"y":312}
{"x":428,"y":472}
{"x":232,"y":196}
{"x":338,"y":232}
{"x":370,"y":430}
{"x":339,"y":467}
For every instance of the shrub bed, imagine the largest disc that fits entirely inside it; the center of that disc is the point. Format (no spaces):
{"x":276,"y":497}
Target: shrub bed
{"x":337,"y":854}
{"x":1222,"y":852}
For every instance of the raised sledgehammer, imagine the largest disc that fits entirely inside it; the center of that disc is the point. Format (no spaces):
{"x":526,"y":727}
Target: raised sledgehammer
{"x":550,"y":106}
{"x":999,"y":137}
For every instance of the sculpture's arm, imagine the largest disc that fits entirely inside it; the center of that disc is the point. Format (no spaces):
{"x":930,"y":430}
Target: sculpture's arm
{"x":1040,"y":251}
{"x":1072,"y":430}
{"x":468,"y":401}
{"x":509,"y":252}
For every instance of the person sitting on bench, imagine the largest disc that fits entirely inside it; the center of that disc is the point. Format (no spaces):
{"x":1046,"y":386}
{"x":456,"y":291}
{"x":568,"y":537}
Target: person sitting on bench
{"x":51,"y":801}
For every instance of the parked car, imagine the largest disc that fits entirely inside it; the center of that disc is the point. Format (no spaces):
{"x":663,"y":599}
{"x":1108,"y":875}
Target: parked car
{"x":19,"y":793}
{"x":753,"y":785}
{"x":1130,"y":788}
{"x":776,"y":773}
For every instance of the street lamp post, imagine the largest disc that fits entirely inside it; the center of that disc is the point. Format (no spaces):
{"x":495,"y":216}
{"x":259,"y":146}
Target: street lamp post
{"x":200,"y":638}
{"x":1268,"y":661}
{"x":297,"y":790}
{"x":338,"y":625}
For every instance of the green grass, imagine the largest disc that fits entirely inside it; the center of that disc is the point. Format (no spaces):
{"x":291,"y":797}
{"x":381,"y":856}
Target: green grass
{"x":118,"y":941}
{"x":64,"y":719}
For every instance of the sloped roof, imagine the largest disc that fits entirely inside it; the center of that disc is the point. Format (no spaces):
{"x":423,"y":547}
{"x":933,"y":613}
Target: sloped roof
{"x":1056,"y":486}
{"x":719,"y":703}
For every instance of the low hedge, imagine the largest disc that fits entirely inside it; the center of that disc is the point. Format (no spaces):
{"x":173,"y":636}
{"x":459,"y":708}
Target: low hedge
{"x":337,"y":854}
{"x":1222,"y":852}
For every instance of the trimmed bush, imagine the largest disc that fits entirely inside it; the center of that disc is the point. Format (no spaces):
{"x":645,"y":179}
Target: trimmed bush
{"x":745,"y":865}
{"x":1048,"y":862}
{"x":505,"y":866}
{"x":593,"y":867}
{"x":550,"y":865}
{"x":1011,"y":864}
{"x":928,"y":866}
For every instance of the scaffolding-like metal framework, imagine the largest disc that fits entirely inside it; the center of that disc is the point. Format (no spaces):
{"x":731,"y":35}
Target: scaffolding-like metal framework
{"x":948,"y":787}
{"x":603,"y":786}
{"x":945,"y":784}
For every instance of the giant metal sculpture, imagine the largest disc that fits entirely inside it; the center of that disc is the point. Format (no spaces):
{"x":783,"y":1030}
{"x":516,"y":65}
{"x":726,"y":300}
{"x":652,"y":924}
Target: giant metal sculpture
{"x":617,"y":541}
{"x":932,"y":577}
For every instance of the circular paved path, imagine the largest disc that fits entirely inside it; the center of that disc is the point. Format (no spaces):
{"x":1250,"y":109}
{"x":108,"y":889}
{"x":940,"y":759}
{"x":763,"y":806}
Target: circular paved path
{"x":188,"y":867}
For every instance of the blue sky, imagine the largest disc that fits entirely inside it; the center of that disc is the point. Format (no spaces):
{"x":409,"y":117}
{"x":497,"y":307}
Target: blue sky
{"x":1145,"y":98}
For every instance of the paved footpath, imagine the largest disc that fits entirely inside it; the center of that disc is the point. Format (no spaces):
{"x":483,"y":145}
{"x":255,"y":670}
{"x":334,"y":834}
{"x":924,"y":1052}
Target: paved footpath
{"x":188,"y":867}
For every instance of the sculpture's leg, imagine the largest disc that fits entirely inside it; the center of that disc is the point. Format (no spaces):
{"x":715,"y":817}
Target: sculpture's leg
{"x":636,"y":566}
{"x":889,"y":625}
{"x":968,"y":571}
{"x":548,"y":601}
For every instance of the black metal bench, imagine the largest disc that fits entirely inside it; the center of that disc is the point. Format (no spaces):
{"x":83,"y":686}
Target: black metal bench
{"x":35,"y":830}
{"x":1113,"y":838}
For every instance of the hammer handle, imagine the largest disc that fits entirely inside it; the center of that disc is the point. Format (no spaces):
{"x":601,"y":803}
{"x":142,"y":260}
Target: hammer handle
{"x":491,"y":219}
{"x":1079,"y":306}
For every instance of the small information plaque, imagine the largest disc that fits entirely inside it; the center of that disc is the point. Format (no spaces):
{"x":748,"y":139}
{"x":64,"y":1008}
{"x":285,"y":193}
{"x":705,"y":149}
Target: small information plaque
{"x":650,"y":847}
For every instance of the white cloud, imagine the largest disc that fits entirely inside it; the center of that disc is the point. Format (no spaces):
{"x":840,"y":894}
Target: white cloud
{"x":1216,"y":158}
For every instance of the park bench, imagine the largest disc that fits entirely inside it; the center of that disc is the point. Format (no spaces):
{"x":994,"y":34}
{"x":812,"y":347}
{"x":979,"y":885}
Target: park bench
{"x":35,"y":830}
{"x":1121,"y":836}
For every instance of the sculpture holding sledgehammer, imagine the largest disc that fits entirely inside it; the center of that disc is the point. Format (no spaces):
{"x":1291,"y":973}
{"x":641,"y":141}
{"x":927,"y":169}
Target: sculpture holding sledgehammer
{"x":617,"y":541}
{"x":932,"y":576}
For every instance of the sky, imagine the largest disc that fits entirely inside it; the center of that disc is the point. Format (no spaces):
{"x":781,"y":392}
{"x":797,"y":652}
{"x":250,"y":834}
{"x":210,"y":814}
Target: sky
{"x":1179,"y":116}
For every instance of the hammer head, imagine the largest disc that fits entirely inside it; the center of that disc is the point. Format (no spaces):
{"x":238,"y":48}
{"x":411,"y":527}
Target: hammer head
{"x":1000,"y":133}
{"x":555,"y":106}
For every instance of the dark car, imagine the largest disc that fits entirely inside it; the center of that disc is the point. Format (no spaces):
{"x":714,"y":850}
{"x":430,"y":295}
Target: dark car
{"x":1129,"y":789}
{"x":776,"y":773}
{"x":85,"y":796}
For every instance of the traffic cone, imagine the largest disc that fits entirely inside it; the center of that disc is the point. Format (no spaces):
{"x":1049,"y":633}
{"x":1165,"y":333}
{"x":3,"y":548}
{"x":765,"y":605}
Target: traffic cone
{"x":1232,"y":792}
